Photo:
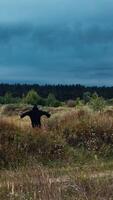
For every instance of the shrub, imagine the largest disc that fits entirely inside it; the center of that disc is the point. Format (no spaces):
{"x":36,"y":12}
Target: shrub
{"x":86,"y":97}
{"x":33,"y":98}
{"x":97,"y":103}
{"x":79,"y":102}
{"x":52,"y":101}
{"x":9,"y":99}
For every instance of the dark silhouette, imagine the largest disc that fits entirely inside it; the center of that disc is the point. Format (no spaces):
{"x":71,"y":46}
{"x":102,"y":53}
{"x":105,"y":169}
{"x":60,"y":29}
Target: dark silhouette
{"x":35,"y":115}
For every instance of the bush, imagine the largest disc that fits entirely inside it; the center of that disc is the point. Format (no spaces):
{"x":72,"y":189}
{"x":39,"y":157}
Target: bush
{"x":97,"y":103}
{"x":33,"y":98}
{"x":52,"y":101}
{"x":86,"y":97}
{"x":79,"y":102}
{"x":9,"y":99}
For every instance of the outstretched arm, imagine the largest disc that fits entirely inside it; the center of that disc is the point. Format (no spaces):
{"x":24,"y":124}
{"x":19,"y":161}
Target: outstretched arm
{"x":45,"y":113}
{"x":24,"y":114}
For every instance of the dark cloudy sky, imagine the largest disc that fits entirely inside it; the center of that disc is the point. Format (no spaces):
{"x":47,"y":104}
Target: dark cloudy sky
{"x":56,"y":41}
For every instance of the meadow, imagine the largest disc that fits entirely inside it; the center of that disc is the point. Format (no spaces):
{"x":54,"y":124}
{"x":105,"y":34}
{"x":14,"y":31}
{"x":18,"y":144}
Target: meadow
{"x":69,"y":158}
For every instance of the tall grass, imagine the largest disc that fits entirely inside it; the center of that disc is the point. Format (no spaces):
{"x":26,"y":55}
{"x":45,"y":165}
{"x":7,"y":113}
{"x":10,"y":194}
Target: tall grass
{"x":63,"y":134}
{"x":30,"y":183}
{"x":68,"y":137}
{"x":36,"y":183}
{"x":90,"y":130}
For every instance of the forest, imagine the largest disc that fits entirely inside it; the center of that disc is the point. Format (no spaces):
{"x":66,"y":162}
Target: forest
{"x":61,"y":92}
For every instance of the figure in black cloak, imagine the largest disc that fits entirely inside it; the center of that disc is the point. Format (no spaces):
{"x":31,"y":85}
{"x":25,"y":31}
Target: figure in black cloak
{"x":35,"y":115}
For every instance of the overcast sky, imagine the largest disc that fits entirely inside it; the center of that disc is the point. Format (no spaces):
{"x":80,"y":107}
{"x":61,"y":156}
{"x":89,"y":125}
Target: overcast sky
{"x":56,"y":41}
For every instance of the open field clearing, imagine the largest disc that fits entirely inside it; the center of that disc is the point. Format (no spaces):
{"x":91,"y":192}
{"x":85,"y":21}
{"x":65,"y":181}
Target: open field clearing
{"x":70,"y":158}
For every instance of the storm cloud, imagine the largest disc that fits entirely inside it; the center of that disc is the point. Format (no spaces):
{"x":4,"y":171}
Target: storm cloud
{"x":56,"y":41}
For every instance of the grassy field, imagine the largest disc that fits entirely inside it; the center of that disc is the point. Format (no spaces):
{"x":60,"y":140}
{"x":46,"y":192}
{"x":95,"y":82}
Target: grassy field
{"x":70,"y":158}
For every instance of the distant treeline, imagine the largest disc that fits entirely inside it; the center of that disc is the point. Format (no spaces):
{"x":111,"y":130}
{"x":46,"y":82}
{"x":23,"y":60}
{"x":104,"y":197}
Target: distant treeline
{"x":61,"y":92}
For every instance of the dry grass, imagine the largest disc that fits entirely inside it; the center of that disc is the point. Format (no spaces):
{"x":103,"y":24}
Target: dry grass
{"x":70,"y":137}
{"x":61,"y":136}
{"x":83,"y":127}
{"x":30,"y":183}
{"x":37,"y":183}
